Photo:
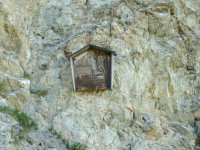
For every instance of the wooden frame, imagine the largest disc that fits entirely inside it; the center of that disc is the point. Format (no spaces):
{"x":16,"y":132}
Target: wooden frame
{"x":84,"y":79}
{"x":72,"y":71}
{"x":112,"y":71}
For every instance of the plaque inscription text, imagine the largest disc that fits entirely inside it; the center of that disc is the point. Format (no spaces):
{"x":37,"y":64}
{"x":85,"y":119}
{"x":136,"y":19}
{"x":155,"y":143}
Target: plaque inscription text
{"x":92,"y":70}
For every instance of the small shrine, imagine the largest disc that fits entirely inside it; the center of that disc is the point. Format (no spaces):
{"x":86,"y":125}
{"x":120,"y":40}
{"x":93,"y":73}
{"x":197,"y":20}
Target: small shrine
{"x":92,"y":68}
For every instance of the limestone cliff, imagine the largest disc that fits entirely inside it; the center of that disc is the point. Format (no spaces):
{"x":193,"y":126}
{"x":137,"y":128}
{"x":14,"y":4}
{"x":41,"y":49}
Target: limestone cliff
{"x":155,"y":101}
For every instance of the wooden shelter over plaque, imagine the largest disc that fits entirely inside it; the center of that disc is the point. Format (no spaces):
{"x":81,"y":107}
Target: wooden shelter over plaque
{"x":92,"y":68}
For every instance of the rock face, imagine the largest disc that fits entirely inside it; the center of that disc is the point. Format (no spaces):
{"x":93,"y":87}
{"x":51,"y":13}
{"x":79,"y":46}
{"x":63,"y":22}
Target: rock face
{"x":155,"y":101}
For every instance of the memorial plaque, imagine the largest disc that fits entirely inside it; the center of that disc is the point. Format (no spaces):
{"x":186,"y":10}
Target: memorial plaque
{"x":92,"y":68}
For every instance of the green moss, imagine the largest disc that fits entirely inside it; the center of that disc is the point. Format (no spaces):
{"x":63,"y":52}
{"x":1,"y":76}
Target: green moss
{"x":39,"y":92}
{"x":4,"y":52}
{"x":27,"y":75}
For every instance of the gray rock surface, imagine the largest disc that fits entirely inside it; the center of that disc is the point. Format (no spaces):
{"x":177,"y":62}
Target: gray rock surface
{"x":155,"y":101}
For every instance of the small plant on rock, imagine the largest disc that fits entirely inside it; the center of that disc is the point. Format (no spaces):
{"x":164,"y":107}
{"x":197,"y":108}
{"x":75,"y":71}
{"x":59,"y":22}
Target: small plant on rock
{"x":27,"y":75}
{"x":30,"y":141}
{"x":25,"y":121}
{"x":77,"y":146}
{"x":26,"y":124}
{"x":39,"y":92}
{"x":59,"y":136}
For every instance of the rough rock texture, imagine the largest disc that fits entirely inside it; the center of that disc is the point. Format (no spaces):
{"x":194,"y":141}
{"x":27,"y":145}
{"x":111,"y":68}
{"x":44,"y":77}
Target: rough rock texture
{"x":155,"y":103}
{"x":41,"y":139}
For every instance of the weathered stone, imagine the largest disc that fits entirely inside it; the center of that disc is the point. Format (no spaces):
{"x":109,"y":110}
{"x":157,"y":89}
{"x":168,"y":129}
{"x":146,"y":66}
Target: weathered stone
{"x":19,"y":98}
{"x":190,"y":103}
{"x":156,"y":73}
{"x":6,"y":123}
{"x":10,"y":66}
{"x":185,"y":131}
{"x":3,"y":102}
{"x":17,"y":83}
{"x":149,"y":124}
{"x":45,"y":140}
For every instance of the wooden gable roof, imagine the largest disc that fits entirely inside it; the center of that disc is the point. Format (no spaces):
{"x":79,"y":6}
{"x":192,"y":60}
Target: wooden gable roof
{"x":93,"y":47}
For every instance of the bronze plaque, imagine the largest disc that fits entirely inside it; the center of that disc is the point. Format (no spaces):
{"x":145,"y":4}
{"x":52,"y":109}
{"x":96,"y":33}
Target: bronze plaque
{"x":92,"y":70}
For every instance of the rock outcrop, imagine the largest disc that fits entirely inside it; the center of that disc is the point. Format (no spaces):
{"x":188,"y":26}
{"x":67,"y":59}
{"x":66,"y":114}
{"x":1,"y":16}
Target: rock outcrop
{"x":155,"y":101}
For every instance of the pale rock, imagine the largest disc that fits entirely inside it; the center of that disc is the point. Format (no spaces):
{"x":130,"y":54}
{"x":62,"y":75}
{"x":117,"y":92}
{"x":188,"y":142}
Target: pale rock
{"x":185,"y":131}
{"x":149,"y":124}
{"x":42,"y":123}
{"x":10,"y":66}
{"x":3,"y":102}
{"x":156,"y":72}
{"x":42,"y":139}
{"x":125,"y":14}
{"x":18,"y":98}
{"x":43,"y":108}
{"x":184,"y":117}
{"x":191,"y":21}
{"x":25,"y":55}
{"x":190,"y":103}
{"x":117,"y":28}
{"x":17,"y":83}
{"x":137,"y":146}
{"x":6,"y":123}
{"x":46,"y":140}
{"x":101,"y":3}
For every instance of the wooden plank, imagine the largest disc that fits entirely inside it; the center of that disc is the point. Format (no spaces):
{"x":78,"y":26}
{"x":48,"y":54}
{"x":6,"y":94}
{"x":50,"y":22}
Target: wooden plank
{"x":91,"y":46}
{"x":80,"y":51}
{"x":72,"y":71}
{"x":112,"y":71}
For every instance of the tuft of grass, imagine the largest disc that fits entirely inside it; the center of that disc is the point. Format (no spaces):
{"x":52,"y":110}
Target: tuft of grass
{"x":30,"y":141}
{"x":64,"y":141}
{"x":25,"y":121}
{"x":39,"y":92}
{"x":77,"y":146}
{"x":59,"y":136}
{"x":26,"y":124}
{"x":27,"y":75}
{"x":51,"y":129}
{"x":4,"y":52}
{"x":44,"y":67}
{"x":54,"y":132}
{"x":21,"y":137}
